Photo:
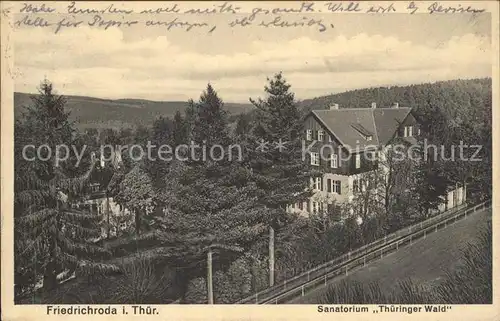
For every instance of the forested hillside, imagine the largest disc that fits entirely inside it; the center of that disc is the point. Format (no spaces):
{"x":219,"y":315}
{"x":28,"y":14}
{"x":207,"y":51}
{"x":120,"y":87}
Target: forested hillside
{"x":453,"y":95}
{"x":89,"y":112}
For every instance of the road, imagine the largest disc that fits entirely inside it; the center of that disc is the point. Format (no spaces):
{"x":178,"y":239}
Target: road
{"x":425,"y":261}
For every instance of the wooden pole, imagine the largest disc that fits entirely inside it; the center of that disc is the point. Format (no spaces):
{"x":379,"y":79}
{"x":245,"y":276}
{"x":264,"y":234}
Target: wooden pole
{"x":209,"y":277}
{"x":271,"y":256}
{"x":107,"y":213}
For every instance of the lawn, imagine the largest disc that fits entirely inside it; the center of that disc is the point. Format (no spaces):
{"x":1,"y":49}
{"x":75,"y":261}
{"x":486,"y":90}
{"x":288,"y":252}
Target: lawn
{"x":425,"y":261}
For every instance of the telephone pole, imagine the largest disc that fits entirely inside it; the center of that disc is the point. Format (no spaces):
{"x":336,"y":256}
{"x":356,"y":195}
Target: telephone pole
{"x":271,"y":256}
{"x":209,"y":277}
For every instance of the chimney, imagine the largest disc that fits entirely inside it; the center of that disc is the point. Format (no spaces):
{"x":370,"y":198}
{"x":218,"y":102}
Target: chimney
{"x":334,"y":106}
{"x":395,"y":105}
{"x":374,"y":105}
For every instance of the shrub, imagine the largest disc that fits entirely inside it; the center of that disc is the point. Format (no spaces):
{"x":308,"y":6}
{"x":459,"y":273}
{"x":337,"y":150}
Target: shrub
{"x":353,"y":293}
{"x":471,"y":281}
{"x":196,"y":291}
{"x":141,"y":282}
{"x":410,"y":292}
{"x":235,"y":284}
{"x":141,"y":285}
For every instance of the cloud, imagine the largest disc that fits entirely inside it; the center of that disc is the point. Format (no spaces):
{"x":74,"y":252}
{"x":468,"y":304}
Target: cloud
{"x":105,"y":64}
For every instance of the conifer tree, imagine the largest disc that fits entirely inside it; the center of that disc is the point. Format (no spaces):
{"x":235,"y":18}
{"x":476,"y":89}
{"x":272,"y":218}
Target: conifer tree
{"x":161,"y":135}
{"x":431,"y":182}
{"x":243,"y":125}
{"x":215,"y":199}
{"x":48,"y":229}
{"x":180,"y":130}
{"x":210,"y":123}
{"x":280,"y":173}
{"x":211,"y":204}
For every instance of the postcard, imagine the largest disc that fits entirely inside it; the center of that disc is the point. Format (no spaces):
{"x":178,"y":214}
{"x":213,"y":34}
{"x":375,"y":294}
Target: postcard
{"x":199,"y":160}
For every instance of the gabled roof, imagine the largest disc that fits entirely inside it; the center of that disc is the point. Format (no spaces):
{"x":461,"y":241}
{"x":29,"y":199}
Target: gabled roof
{"x":351,"y":125}
{"x":387,"y":121}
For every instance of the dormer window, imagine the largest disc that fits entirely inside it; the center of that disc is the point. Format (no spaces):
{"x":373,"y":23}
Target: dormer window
{"x":309,"y":134}
{"x":320,"y":135}
{"x":365,"y":133}
{"x":408,"y":131}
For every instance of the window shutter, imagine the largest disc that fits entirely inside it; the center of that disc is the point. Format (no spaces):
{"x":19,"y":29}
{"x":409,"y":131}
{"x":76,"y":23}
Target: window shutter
{"x":329,"y":185}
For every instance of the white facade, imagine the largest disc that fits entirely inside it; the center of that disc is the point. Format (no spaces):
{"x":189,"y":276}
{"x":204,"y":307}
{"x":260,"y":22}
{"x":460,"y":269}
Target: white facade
{"x":118,"y":215}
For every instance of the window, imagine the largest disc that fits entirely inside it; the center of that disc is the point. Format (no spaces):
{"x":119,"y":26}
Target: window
{"x":408,"y":132}
{"x":334,"y":161}
{"x":320,"y":135}
{"x":315,"y":207}
{"x":418,"y":131}
{"x":368,"y":138}
{"x":309,"y":134}
{"x":337,"y":187}
{"x":301,"y":206}
{"x":355,"y":185}
{"x":318,"y":183}
{"x":358,"y":160}
{"x":315,"y":159}
{"x":329,"y":185}
{"x":334,"y":186}
{"x":330,"y":139}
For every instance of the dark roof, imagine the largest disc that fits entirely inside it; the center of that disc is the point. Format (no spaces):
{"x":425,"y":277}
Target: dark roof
{"x":347,"y":125}
{"x":387,"y":121}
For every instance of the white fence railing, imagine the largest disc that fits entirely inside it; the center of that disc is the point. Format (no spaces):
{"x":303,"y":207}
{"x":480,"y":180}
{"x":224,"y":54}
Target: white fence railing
{"x":311,"y":279}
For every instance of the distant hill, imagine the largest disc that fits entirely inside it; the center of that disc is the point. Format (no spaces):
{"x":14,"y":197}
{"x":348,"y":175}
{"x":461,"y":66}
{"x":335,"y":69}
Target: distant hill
{"x":454,"y":96}
{"x":106,"y":113}
{"x":447,"y":94}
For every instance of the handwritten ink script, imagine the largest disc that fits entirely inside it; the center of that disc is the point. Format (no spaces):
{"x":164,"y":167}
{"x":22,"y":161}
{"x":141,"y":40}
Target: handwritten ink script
{"x":176,"y":16}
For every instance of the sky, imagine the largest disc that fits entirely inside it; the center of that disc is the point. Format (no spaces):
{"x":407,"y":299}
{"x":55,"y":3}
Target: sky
{"x":360,"y":51}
